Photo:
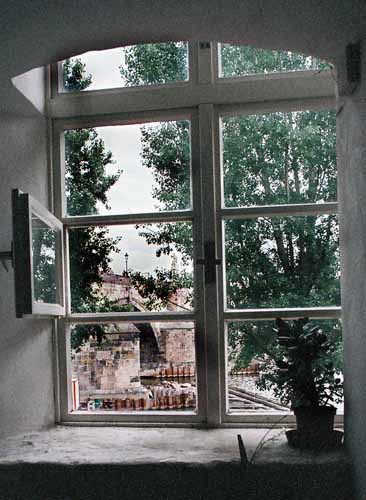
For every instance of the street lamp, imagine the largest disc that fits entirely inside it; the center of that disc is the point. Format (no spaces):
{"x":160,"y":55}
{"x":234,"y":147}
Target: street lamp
{"x":126,"y":260}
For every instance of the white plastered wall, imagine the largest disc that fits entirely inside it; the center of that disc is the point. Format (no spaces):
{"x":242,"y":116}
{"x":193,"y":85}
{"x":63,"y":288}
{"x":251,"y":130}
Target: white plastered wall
{"x":26,"y":384}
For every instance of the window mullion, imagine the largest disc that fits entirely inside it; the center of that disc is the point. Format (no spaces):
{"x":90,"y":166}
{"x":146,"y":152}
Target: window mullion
{"x":219,"y":193}
{"x":209,"y":231}
{"x":205,"y":73}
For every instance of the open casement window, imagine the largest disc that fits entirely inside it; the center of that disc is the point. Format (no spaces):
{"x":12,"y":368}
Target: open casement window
{"x":38,"y":258}
{"x":228,"y":181}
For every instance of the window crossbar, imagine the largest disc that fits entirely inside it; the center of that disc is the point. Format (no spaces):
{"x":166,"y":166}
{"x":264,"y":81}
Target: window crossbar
{"x":304,"y":209}
{"x":333,"y":312}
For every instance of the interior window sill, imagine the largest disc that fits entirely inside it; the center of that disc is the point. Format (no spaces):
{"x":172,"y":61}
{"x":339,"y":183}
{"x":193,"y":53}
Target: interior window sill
{"x":66,"y":445}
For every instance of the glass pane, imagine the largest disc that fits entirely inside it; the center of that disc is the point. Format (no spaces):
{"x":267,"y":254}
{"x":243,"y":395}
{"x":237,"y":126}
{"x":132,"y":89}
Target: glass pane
{"x":134,"y":367}
{"x":44,"y":243}
{"x":131,"y":268}
{"x":282,"y":262}
{"x":277,"y":158}
{"x":241,"y":60}
{"x":251,"y":350}
{"x":143,"y":64}
{"x":128,"y":169}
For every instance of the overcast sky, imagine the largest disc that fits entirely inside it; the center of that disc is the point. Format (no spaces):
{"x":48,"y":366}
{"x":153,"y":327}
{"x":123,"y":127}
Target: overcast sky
{"x":132,"y":192}
{"x":103,"y":65}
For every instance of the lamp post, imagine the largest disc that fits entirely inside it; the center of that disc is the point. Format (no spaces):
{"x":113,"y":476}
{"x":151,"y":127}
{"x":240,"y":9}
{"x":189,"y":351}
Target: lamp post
{"x":126,"y":260}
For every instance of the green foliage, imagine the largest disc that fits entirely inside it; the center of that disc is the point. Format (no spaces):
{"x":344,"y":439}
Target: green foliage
{"x":86,"y":179}
{"x":276,"y":158}
{"x":237,"y":60}
{"x":280,"y":158}
{"x":166,"y":152}
{"x":90,"y":250}
{"x":44,"y":262}
{"x":247,"y":341}
{"x":87,"y":183}
{"x":282,"y":262}
{"x":300,"y":366}
{"x":147,"y":64}
{"x":170,"y":238}
{"x":159,"y":288}
{"x":270,"y":158}
{"x":74,"y":77}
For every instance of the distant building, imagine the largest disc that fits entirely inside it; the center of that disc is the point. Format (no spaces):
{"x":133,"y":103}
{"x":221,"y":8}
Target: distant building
{"x":130,"y":351}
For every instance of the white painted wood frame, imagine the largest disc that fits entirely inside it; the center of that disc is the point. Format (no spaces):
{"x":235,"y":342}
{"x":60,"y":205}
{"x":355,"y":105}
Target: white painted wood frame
{"x":204,"y":99}
{"x":24,"y":209}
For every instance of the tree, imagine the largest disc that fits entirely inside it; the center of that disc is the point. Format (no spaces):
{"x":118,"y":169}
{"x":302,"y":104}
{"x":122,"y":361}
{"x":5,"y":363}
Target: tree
{"x":147,"y":64}
{"x":74,"y":77}
{"x":87,"y":183}
{"x":237,"y":60}
{"x":273,"y":159}
{"x":270,"y":158}
{"x":166,"y":152}
{"x":44,"y":262}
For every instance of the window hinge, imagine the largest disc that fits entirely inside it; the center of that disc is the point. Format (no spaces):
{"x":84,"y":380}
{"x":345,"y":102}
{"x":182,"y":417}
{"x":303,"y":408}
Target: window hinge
{"x":9,"y":255}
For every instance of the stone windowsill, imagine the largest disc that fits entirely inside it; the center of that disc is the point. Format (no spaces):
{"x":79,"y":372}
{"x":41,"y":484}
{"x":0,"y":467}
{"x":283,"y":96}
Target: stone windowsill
{"x":97,"y":463}
{"x":121,"y":445}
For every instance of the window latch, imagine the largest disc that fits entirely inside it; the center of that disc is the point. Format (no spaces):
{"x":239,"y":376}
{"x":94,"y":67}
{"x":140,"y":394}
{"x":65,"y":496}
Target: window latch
{"x":210,"y":261}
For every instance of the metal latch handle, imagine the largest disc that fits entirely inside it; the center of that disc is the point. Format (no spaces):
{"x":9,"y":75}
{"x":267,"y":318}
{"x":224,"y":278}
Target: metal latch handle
{"x":210,"y":261}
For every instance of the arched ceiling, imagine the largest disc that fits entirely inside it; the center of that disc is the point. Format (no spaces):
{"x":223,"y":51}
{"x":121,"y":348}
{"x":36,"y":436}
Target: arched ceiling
{"x":37,"y":32}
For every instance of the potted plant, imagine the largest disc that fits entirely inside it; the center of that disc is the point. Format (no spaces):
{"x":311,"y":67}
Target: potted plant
{"x":302,"y":372}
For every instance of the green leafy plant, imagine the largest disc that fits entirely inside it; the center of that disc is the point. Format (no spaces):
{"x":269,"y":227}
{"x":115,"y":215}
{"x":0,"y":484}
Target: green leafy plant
{"x":301,"y":366}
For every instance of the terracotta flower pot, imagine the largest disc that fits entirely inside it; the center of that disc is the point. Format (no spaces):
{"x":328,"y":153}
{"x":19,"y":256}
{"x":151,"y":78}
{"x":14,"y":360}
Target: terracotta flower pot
{"x":315,"y":419}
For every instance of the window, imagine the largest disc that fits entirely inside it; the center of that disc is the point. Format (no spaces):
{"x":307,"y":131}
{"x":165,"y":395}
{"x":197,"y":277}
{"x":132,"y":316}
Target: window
{"x":37,"y":258}
{"x":196,"y":210}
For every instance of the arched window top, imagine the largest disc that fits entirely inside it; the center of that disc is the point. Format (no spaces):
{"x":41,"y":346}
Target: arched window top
{"x":171,"y":62}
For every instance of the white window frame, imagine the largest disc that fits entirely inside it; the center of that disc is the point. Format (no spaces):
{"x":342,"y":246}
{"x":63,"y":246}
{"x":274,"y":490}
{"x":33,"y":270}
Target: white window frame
{"x":24,"y":207}
{"x":203,"y":99}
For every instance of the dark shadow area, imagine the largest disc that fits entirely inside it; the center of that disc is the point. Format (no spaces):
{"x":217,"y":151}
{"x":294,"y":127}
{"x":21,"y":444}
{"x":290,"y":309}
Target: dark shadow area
{"x":181,"y":482}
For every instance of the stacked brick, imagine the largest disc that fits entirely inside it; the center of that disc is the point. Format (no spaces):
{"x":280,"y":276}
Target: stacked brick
{"x":173,"y":398}
{"x":160,"y":397}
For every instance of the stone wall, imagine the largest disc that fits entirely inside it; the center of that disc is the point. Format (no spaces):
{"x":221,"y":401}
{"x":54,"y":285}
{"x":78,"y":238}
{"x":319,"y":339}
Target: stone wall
{"x":112,"y":366}
{"x":117,"y":287}
{"x":178,"y":341}
{"x":176,"y":356}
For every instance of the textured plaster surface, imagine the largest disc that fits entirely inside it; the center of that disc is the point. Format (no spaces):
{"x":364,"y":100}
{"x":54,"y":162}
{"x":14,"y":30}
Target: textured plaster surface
{"x":165,"y":463}
{"x":26,"y":378}
{"x":100,"y":445}
{"x":51,"y":31}
{"x":351,"y":144}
